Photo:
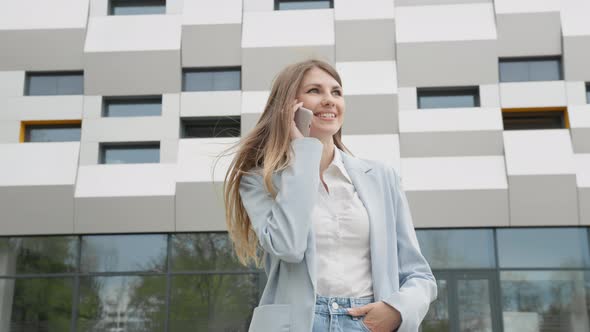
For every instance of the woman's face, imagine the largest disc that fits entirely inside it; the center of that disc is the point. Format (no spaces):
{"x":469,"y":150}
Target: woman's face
{"x":321,"y":93}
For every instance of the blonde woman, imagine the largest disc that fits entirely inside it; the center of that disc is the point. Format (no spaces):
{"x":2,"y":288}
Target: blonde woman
{"x":334,"y":232}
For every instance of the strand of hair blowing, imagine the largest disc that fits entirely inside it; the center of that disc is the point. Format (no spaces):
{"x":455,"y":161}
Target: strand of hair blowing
{"x":265,"y":148}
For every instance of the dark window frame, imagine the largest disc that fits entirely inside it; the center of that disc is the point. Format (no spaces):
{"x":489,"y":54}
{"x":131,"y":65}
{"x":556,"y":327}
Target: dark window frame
{"x":448,"y":91}
{"x":225,"y":120}
{"x":528,"y":59}
{"x":127,"y":100}
{"x":102,"y":146}
{"x":127,"y":3}
{"x":28,"y":74}
{"x":277,"y":3}
{"x":209,"y":70}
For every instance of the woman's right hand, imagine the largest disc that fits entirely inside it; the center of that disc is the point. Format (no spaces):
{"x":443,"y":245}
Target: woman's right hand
{"x":295,"y":132}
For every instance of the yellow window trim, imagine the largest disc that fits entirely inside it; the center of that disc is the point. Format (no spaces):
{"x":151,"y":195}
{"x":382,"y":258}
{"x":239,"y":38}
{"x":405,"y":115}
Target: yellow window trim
{"x":542,"y":109}
{"x":24,"y":124}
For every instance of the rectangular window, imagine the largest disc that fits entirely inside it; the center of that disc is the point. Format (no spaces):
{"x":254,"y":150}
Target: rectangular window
{"x":515,"y":119}
{"x":53,"y":83}
{"x":303,"y":4}
{"x":588,"y":93}
{"x":137,"y":7}
{"x":213,"y":126}
{"x":530,"y":69}
{"x":66,"y":131}
{"x":211,"y":79}
{"x":132,"y":106}
{"x":448,"y":97}
{"x":129,"y":153}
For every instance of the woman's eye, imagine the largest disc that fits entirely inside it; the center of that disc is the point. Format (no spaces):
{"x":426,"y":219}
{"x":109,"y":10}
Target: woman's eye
{"x":314,"y":89}
{"x":338,"y":92}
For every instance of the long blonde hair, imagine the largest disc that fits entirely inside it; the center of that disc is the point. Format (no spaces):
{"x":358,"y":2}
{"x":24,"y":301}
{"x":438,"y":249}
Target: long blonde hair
{"x":266,"y":146}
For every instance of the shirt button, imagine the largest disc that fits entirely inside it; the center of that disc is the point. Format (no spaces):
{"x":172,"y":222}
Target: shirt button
{"x":334,"y":305}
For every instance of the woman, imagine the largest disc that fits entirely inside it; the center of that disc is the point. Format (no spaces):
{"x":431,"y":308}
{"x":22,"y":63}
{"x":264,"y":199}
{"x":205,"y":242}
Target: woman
{"x":335,"y":231}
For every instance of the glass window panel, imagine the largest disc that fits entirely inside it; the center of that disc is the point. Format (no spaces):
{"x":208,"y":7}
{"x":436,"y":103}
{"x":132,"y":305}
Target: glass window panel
{"x":213,"y":80}
{"x":133,"y":107}
{"x":288,"y":5}
{"x":130,"y":154}
{"x":445,"y":249}
{"x":70,"y":84}
{"x":545,"y":301}
{"x":138,"y":7}
{"x":122,"y":303}
{"x":53,"y":133}
{"x":545,"y":70}
{"x":40,"y":85}
{"x":40,"y":305}
{"x":587,"y":93}
{"x":543,"y":247}
{"x":198,"y":81}
{"x":39,"y":254}
{"x":514,"y":71}
{"x":203,"y":252}
{"x":212,"y":127}
{"x":119,"y":253}
{"x":475,"y":312}
{"x":437,"y":318}
{"x":213,"y":302}
{"x":447,"y":99}
{"x":227,"y":80}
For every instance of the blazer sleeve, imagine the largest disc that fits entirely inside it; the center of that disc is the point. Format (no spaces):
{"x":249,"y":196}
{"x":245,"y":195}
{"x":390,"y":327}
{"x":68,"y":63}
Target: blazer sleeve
{"x":417,"y":283}
{"x":282,"y":225}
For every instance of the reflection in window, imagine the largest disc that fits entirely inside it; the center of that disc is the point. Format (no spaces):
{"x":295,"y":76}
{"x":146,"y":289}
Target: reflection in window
{"x":448,"y":97}
{"x":474,"y":305}
{"x":545,"y":300}
{"x":213,"y":302}
{"x":40,"y":305}
{"x":123,"y":303}
{"x":132,"y":106}
{"x":445,"y":249}
{"x":53,"y":133}
{"x":530,"y":69}
{"x":303,"y":4}
{"x":437,"y":318}
{"x":203,"y":252}
{"x":543,"y":248}
{"x":60,"y":83}
{"x":129,"y":153}
{"x":211,"y":79}
{"x":226,"y":126}
{"x":33,"y":255}
{"x":117,"y":253}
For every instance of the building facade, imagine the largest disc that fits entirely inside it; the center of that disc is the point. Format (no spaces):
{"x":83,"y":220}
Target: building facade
{"x":113,"y":114}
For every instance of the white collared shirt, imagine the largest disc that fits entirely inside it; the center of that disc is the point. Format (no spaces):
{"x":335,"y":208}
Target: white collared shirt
{"x":341,"y":227}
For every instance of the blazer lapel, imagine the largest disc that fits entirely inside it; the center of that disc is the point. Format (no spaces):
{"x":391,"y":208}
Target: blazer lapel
{"x":367,"y":185}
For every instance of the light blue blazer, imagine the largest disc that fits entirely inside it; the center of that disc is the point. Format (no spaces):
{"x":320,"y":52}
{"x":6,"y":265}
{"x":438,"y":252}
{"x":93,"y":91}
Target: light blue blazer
{"x":401,"y":276}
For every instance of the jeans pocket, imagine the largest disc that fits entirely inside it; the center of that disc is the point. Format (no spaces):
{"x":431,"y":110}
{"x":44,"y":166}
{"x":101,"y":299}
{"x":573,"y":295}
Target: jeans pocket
{"x":362,"y":323}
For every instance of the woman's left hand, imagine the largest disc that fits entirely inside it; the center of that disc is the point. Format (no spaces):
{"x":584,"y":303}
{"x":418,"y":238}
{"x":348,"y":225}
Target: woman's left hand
{"x":379,"y":316}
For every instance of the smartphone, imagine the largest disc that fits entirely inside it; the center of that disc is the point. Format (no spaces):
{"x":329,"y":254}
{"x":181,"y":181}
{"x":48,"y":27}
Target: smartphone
{"x":303,"y":118}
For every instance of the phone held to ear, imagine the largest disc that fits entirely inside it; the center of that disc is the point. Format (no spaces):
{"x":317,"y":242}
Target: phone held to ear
{"x":303,"y":118}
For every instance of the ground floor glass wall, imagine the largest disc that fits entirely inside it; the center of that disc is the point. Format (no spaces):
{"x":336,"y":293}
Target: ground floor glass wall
{"x":516,"y":279}
{"x":504,"y":279}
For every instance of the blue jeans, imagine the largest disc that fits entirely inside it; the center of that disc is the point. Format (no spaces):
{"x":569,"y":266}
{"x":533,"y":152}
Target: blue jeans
{"x":331,"y":314}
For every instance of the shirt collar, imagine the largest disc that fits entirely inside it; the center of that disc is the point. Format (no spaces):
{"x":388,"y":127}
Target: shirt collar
{"x":337,"y":161}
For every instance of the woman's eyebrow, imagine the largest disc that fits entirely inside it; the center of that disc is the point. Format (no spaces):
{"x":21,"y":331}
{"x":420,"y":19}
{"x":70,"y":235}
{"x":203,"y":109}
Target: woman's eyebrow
{"x":316,"y":84}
